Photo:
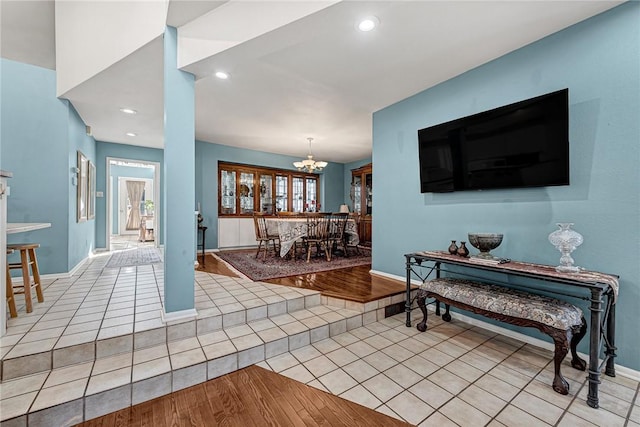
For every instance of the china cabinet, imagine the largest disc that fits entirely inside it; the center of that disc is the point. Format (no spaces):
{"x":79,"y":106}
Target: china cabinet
{"x":243,"y":189}
{"x":361,"y":199}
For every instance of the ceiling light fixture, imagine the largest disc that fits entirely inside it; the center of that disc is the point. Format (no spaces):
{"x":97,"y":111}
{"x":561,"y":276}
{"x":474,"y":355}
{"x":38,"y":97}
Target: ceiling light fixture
{"x":128,"y":111}
{"x":368,"y":23}
{"x":308,"y":164}
{"x":222,"y":75}
{"x":131,"y":134}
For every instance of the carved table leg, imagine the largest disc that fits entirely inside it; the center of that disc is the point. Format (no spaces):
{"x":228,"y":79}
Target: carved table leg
{"x":446,"y":316}
{"x":561,"y":341}
{"x":421,"y":298}
{"x":579,"y":331}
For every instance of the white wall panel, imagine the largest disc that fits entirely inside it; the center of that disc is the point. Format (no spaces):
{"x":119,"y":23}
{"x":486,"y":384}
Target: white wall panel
{"x":92,"y":35}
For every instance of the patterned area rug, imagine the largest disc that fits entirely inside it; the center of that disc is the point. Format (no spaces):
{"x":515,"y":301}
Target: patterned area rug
{"x":133,"y":257}
{"x":273,"y":267}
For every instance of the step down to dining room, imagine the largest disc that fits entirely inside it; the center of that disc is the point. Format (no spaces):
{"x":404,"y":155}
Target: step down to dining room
{"x":56,"y":377}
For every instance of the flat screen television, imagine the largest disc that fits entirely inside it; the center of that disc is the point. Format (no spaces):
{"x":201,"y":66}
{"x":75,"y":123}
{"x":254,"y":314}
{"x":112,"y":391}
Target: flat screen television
{"x":524,"y":144}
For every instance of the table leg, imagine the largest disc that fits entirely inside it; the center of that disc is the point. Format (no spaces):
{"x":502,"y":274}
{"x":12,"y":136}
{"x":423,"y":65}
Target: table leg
{"x":594,"y":347}
{"x":611,"y":338}
{"x":407,"y":305}
{"x":203,"y":243}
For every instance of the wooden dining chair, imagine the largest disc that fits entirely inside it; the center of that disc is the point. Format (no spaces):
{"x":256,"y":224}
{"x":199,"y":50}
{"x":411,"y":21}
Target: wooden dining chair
{"x":263,"y":235}
{"x":317,"y":234}
{"x":347,"y":241}
{"x":338,"y":222}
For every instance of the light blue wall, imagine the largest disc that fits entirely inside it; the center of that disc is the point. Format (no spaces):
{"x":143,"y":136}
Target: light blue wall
{"x":207,"y":157}
{"x":125,"y":172}
{"x":598,"y":60}
{"x":81,"y":234}
{"x":40,"y":135}
{"x":347,"y":180}
{"x":120,"y":151}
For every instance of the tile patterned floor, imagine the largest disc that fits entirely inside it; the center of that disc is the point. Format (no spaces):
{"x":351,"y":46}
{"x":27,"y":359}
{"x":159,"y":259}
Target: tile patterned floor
{"x":453,"y":374}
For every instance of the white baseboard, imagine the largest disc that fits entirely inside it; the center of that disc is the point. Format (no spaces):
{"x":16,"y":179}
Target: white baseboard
{"x":178,"y":316}
{"x":621,"y":370}
{"x":53,"y":276}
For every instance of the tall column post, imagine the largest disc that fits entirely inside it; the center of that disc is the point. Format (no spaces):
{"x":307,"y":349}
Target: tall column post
{"x":179,"y":185}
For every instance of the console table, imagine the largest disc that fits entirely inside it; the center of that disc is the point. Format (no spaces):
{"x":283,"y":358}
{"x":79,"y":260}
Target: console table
{"x":202,"y":246}
{"x":586,"y":285}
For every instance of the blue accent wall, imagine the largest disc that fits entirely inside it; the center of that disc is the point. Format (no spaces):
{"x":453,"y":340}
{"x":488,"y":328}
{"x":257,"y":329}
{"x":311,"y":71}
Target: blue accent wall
{"x":207,"y":157}
{"x":598,"y":60}
{"x":81,"y":234}
{"x":40,"y":135}
{"x":120,"y":151}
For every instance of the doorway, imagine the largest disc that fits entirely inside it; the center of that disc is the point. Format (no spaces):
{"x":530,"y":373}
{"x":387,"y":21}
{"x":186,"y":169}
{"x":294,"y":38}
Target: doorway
{"x":128,"y":223}
{"x":133,"y":203}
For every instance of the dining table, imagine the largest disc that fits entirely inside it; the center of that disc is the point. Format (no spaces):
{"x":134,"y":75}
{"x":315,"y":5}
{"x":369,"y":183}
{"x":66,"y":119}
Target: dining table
{"x":293,"y":229}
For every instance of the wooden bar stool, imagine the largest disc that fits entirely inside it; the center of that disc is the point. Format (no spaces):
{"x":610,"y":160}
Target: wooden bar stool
{"x":27,"y":259}
{"x":11,"y":299}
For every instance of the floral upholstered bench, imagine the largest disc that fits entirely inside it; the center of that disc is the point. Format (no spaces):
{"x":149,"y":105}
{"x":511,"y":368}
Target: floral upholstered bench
{"x":562,"y":321}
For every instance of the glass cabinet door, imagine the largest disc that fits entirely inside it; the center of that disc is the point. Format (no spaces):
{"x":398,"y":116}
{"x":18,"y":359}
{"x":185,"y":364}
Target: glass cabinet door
{"x":266,"y":194}
{"x":245,"y":191}
{"x":281,"y":193}
{"x":368,"y":178}
{"x":312,"y":196}
{"x":228,"y":190}
{"x":298,"y":194}
{"x":356,"y":193}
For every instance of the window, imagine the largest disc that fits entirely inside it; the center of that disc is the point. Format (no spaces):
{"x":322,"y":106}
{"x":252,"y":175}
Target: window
{"x":245,"y":188}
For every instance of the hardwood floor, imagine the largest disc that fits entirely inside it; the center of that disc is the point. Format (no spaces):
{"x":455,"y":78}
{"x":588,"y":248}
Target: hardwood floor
{"x":353,"y":284}
{"x":249,"y":397}
{"x":214,"y":265}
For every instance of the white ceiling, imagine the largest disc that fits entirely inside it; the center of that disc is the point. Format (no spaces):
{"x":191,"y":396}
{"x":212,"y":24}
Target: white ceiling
{"x":310,"y":74}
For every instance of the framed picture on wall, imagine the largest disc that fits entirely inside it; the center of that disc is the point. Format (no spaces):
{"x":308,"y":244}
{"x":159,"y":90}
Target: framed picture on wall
{"x":91,"y":196}
{"x":82,"y":184}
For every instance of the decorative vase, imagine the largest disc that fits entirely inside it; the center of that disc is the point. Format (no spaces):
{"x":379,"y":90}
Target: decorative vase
{"x":462,"y":250}
{"x":453,"y":248}
{"x":566,"y":240}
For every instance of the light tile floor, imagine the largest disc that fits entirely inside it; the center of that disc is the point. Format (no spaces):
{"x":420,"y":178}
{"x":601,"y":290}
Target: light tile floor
{"x":453,"y":374}
{"x":101,"y":303}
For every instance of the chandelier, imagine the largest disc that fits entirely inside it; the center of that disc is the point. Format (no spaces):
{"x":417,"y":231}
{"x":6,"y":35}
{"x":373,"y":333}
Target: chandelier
{"x":308,"y":164}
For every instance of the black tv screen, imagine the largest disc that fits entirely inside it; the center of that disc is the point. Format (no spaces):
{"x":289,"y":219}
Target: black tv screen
{"x":525,"y":144}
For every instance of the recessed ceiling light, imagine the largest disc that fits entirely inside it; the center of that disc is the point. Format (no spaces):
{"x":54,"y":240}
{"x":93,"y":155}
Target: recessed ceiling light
{"x":222,"y":75}
{"x":128,"y":111}
{"x":131,"y":134}
{"x":368,"y":23}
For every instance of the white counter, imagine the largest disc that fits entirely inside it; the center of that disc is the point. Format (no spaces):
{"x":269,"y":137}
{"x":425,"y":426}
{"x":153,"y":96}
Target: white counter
{"x":21,"y":227}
